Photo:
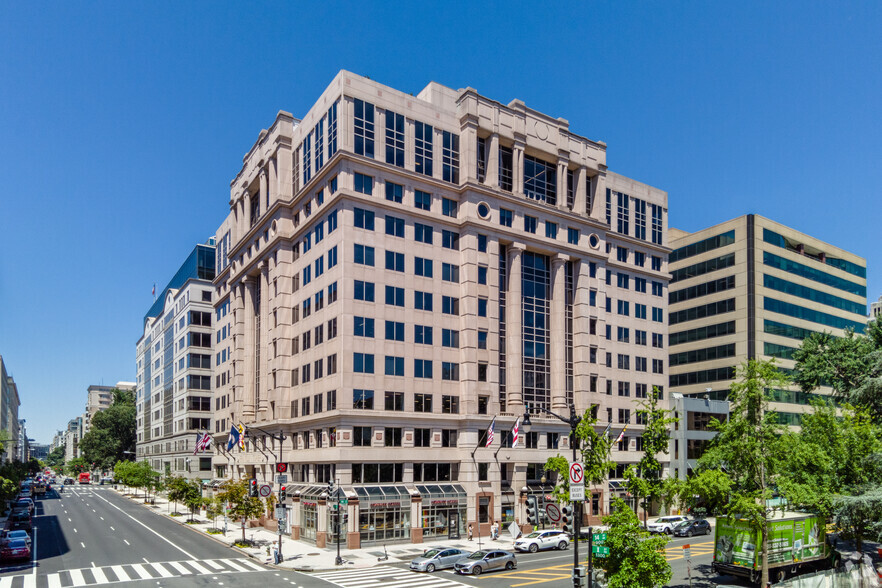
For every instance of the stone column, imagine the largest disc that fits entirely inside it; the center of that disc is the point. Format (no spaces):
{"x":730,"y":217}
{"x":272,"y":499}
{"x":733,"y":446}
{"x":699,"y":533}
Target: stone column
{"x":518,"y":167}
{"x":558,"y":324}
{"x":263,"y":200}
{"x":492,"y":146}
{"x":246,"y":204}
{"x":248,"y":406}
{"x":468,"y":151}
{"x":582,"y":337}
{"x":562,"y":183}
{"x":514,"y":347}
{"x":262,"y":400}
{"x":580,"y":203}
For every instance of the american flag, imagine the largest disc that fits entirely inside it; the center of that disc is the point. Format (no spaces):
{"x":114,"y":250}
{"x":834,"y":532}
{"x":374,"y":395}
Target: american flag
{"x":490,"y":433}
{"x":514,"y":433}
{"x":203,"y":442}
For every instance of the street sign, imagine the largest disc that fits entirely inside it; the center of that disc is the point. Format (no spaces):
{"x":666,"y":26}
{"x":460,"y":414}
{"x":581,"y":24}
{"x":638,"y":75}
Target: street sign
{"x":344,"y":501}
{"x":600,"y":550}
{"x":598,"y":537}
{"x":281,"y":468}
{"x":577,"y":474}
{"x":553,"y":512}
{"x":281,"y":479}
{"x":577,"y":492}
{"x":687,"y":552}
{"x":281,"y":513}
{"x":264,"y":491}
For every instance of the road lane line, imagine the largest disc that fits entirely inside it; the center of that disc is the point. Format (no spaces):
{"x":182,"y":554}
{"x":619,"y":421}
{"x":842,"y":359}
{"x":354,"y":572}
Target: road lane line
{"x":139,"y":569}
{"x":100,"y":578}
{"x":102,"y":518}
{"x":250,"y":564}
{"x":126,"y":541}
{"x":112,"y":529}
{"x":183,"y":571}
{"x":121,"y":574}
{"x":235,"y":566}
{"x":30,"y":582}
{"x":75,"y":530}
{"x":148,"y":528}
{"x":34,"y":556}
{"x":76,"y":577}
{"x":213,"y":564}
{"x":162,"y":571}
{"x":83,"y":544}
{"x":54,"y":580}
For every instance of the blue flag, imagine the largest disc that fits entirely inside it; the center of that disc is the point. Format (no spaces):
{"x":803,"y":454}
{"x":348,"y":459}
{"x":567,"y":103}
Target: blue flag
{"x":234,"y":437}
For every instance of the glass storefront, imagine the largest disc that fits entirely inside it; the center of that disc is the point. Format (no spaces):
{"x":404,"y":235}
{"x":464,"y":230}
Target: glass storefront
{"x":309,"y":511}
{"x":384,"y":514}
{"x":444,"y":510}
{"x":507,"y":509}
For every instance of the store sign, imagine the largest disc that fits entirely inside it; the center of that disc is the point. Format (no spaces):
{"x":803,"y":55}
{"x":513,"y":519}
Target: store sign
{"x":307,"y":503}
{"x":386,"y":505}
{"x":445,"y":502}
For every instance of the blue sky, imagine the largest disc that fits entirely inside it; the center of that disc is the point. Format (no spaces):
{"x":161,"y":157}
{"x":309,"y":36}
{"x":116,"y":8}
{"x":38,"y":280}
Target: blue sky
{"x":122,"y":124}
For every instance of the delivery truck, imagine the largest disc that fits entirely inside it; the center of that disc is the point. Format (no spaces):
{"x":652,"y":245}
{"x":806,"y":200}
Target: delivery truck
{"x":797,"y":543}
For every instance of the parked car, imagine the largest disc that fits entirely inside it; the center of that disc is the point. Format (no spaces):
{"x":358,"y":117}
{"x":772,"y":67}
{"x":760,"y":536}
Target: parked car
{"x":68,"y":481}
{"x":437,"y":559}
{"x":690,"y":528}
{"x":665,"y":524}
{"x":23,"y":504}
{"x":16,"y":549}
{"x":552,"y":539}
{"x":20,"y":520}
{"x":13,"y":535}
{"x":483,"y":561}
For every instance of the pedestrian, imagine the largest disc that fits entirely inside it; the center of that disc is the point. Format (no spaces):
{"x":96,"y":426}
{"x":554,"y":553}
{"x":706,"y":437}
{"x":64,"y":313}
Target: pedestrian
{"x":470,"y":531}
{"x":494,"y":530}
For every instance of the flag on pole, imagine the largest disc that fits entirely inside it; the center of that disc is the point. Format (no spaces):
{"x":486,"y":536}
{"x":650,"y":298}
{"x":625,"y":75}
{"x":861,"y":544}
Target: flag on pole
{"x":606,"y":430}
{"x":198,"y":443}
{"x":241,"y":437}
{"x":234,"y":437}
{"x":203,"y":442}
{"x":514,"y":433}
{"x":490,"y":433}
{"x":622,"y":434}
{"x":153,"y":293}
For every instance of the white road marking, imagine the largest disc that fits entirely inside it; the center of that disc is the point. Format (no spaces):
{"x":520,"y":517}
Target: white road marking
{"x":102,"y":518}
{"x":6,"y":582}
{"x":148,"y":528}
{"x":126,"y":541}
{"x":162,"y":571}
{"x":120,"y":573}
{"x":184,"y":571}
{"x":83,"y":544}
{"x":76,"y":576}
{"x":139,"y":569}
{"x":235,"y":566}
{"x":145,"y":560}
{"x":112,"y":529}
{"x":250,"y":564}
{"x":198,"y":568}
{"x":54,"y":580}
{"x":100,"y":578}
{"x":213,"y":564}
{"x":75,"y":530}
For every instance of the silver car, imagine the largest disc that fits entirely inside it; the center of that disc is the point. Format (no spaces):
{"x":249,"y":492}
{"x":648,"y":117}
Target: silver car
{"x":437,"y":559}
{"x":483,"y":561}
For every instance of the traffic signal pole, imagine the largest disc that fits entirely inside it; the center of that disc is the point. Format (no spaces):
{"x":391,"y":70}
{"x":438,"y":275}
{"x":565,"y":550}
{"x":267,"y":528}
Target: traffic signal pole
{"x":577,"y":504}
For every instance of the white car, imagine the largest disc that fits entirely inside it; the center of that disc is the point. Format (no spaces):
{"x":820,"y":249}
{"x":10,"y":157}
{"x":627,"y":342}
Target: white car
{"x":665,"y":524}
{"x":552,"y":539}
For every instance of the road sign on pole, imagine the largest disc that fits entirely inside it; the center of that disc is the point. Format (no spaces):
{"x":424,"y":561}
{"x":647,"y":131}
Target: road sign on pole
{"x":598,"y":537}
{"x":265,"y":490}
{"x":577,"y":481}
{"x":600,"y":550}
{"x":552,"y":511}
{"x":281,"y":479}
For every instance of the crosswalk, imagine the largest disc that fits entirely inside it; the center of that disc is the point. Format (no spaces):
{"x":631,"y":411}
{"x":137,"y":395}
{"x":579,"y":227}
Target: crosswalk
{"x":388,"y":576}
{"x":130,"y":572}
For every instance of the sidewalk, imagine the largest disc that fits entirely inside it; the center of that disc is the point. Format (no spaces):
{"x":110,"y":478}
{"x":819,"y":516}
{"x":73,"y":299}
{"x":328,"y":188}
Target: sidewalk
{"x":306,"y":557}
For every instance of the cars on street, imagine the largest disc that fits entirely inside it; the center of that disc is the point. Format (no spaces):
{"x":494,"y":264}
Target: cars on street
{"x":484,"y":561}
{"x":68,"y":481}
{"x":690,"y":528}
{"x":665,"y":524}
{"x":12,"y":535}
{"x":551,"y":539}
{"x":20,"y":520}
{"x":23,"y":504}
{"x":16,"y":549}
{"x":438,"y":558}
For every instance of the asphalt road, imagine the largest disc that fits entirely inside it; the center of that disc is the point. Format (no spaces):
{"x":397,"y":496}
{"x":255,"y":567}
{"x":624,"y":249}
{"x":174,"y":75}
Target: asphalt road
{"x":89,"y":536}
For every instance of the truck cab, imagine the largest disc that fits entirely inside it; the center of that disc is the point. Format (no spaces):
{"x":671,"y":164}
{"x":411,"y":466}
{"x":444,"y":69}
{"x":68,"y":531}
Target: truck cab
{"x":85,"y":478}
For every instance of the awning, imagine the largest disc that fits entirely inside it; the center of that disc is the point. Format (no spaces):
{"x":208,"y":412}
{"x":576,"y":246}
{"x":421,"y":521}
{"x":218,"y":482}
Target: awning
{"x":442,"y":494}
{"x":382,"y":496}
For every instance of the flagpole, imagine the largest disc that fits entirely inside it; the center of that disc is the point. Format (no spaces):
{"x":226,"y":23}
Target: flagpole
{"x":478,"y":446}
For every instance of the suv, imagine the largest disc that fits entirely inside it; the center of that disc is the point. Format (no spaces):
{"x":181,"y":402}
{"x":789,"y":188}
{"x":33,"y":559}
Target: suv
{"x":20,"y":520}
{"x":690,"y":528}
{"x":665,"y":524}
{"x":553,"y":539}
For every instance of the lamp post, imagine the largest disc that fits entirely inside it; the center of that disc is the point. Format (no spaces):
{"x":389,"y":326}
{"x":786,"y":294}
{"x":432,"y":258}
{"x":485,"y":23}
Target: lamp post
{"x":573,"y":421}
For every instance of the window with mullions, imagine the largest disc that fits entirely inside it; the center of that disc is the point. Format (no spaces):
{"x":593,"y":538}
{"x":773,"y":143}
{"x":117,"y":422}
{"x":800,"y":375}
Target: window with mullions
{"x":394,"y":331}
{"x":364,"y":255}
{"x":656,"y":224}
{"x":422,"y":267}
{"x":363,"y":184}
{"x":307,"y":158}
{"x":450,"y":273}
{"x":394,"y":226}
{"x":422,"y":403}
{"x":449,"y":239}
{"x":394,"y":366}
{"x":536,"y":284}
{"x":482,"y":159}
{"x":571,"y":189}
{"x":394,"y":296}
{"x":363,"y":327}
{"x":422,"y":368}
{"x":394,"y":261}
{"x":449,"y":207}
{"x":422,"y":200}
{"x":364,"y":219}
{"x":423,"y":148}
{"x":422,"y":334}
{"x":623,"y":213}
{"x":363,"y":363}
{"x":640,"y":219}
{"x":505,"y":217}
{"x":394,"y":192}
{"x":506,"y":167}
{"x":394,"y":138}
{"x":450,"y":157}
{"x":332,"y":130}
{"x":364,"y":291}
{"x":363,"y":399}
{"x":540,"y":180}
{"x":319,"y":133}
{"x":364,"y":128}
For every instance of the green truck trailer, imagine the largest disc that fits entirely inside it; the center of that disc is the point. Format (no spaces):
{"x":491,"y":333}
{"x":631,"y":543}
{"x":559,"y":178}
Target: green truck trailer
{"x":797,"y":543}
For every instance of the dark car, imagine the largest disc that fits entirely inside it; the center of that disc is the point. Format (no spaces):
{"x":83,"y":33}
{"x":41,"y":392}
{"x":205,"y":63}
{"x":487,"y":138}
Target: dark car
{"x":20,"y":521}
{"x":690,"y":528}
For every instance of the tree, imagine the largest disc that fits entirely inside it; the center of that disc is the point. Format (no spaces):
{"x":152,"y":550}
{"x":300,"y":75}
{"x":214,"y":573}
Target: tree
{"x":77,"y":466}
{"x":744,"y":447}
{"x":859,"y":517}
{"x":645,"y":479}
{"x":112,"y":433}
{"x":235,"y":493}
{"x":138,"y":474}
{"x":193,"y":497}
{"x":636,"y":559}
{"x":176,"y":489}
{"x":55,"y":459}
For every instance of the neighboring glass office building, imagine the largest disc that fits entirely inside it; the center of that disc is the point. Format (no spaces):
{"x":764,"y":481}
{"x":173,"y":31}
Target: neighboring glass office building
{"x":397,"y":271}
{"x":753,"y":288}
{"x":174,"y":365}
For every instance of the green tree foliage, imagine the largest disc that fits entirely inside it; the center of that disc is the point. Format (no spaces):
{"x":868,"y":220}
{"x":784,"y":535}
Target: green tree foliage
{"x":859,"y":517}
{"x":55,"y":460}
{"x":235,"y":494}
{"x":636,"y":559}
{"x":831,"y":455}
{"x":112,"y":432}
{"x":645,"y":479}
{"x":77,"y":466}
{"x":138,"y":474}
{"x":594,"y":451}
{"x":187,"y":491}
{"x":744,"y":448}
{"x":8,"y":490}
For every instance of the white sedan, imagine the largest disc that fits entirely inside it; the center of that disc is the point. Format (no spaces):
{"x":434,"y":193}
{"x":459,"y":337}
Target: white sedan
{"x":552,"y":539}
{"x":665,"y":524}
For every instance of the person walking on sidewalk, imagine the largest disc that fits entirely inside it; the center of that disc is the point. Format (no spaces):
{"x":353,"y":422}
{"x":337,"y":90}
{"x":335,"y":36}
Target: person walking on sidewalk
{"x":494,"y":530}
{"x":470,"y":531}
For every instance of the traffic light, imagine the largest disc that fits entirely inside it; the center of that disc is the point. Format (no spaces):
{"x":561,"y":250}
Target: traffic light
{"x":567,"y":518}
{"x":283,"y":493}
{"x":252,"y":488}
{"x":330,"y":488}
{"x":532,"y":510}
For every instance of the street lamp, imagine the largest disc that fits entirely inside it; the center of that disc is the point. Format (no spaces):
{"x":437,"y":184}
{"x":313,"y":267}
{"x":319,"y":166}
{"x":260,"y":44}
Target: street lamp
{"x":573,"y":421}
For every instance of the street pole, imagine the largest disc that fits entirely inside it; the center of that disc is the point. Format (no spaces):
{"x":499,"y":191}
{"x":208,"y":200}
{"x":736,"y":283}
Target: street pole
{"x":590,"y":566}
{"x":577,"y":511}
{"x":339,"y":560}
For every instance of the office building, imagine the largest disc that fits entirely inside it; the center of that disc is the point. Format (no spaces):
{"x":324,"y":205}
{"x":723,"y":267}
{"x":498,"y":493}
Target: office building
{"x":398,"y":271}
{"x":73,"y":434}
{"x":174,"y":366}
{"x":753,"y":288}
{"x":9,"y":404}
{"x":100,"y":398}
